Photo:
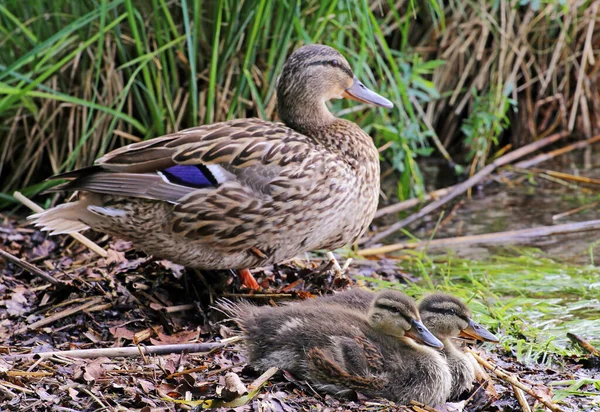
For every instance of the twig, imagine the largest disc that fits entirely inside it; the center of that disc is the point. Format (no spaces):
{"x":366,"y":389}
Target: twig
{"x":410,"y":203}
{"x":77,"y":236}
{"x":57,"y":316}
{"x":576,"y":210}
{"x":467,"y":184}
{"x":488,"y":238}
{"x":262,"y":379}
{"x":583,"y":343}
{"x":16,"y":387}
{"x":557,"y":152}
{"x":179,"y":308}
{"x":34,"y":270}
{"x":505,"y":376}
{"x":130,"y":351}
{"x":569,"y":177}
{"x":520,"y":395}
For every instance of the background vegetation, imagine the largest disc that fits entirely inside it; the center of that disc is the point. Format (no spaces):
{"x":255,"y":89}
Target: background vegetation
{"x":78,"y":78}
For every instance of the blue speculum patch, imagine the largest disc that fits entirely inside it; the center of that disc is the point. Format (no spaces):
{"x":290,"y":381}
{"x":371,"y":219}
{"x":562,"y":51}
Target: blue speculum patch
{"x":190,"y":175}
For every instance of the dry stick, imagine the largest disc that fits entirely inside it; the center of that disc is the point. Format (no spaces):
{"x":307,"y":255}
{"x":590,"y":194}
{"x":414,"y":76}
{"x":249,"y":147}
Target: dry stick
{"x":583,"y":343}
{"x":557,"y":152}
{"x":57,"y":316}
{"x":505,"y":376}
{"x":77,"y":236}
{"x":467,"y":184}
{"x":520,"y":395}
{"x":569,"y":177}
{"x":576,"y":210}
{"x":34,"y":270}
{"x":415,"y":201}
{"x":410,"y":203}
{"x":488,"y":238}
{"x":129,"y":351}
{"x":262,"y":379}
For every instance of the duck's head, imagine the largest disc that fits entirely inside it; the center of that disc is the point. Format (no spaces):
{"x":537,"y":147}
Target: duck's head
{"x":313,"y":75}
{"x":448,"y":317}
{"x":395,"y":314}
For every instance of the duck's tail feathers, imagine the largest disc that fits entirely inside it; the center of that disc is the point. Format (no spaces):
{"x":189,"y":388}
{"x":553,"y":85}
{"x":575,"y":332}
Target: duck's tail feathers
{"x":65,"y":218}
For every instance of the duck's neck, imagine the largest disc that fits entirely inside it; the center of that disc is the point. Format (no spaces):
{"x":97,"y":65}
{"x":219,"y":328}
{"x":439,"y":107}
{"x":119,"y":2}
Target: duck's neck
{"x":450,"y":349}
{"x":306,"y":116}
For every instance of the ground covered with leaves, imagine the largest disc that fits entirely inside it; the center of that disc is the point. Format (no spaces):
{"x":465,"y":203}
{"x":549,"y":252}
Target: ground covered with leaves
{"x":131,"y":300}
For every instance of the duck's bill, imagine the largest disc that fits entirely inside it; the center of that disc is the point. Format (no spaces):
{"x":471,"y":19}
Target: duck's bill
{"x":361,"y":93}
{"x":476,"y":331}
{"x":421,"y":334}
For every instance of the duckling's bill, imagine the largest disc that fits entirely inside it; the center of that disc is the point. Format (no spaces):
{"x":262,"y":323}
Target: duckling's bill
{"x":421,"y":334}
{"x":476,"y":331}
{"x":361,"y":93}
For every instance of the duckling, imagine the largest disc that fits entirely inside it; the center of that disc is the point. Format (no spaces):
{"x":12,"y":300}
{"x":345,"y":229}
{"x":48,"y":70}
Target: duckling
{"x":339,"y":350}
{"x":244,"y":193}
{"x":446,"y":316}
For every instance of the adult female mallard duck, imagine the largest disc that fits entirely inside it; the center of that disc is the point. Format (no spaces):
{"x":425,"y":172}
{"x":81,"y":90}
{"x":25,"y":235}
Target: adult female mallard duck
{"x":446,"y":316}
{"x":338,"y":349}
{"x":243,"y":193}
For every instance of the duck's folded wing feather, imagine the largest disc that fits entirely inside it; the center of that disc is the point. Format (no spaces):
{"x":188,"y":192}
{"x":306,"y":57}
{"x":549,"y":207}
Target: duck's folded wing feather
{"x":250,"y":151}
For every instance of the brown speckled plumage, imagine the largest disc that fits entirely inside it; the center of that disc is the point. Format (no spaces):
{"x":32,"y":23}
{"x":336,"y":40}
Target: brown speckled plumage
{"x":277,"y":189}
{"x":444,"y":315}
{"x":338,"y":349}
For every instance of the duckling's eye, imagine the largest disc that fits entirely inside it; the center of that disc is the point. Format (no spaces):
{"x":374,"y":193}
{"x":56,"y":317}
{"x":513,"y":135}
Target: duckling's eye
{"x":395,"y":310}
{"x":452,"y":312}
{"x":335,"y":63}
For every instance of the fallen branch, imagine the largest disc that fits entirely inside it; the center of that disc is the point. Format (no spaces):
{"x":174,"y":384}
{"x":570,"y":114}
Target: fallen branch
{"x":512,"y":380}
{"x":554,"y":153}
{"x":520,"y":395}
{"x":436,"y":194}
{"x":583,"y":343}
{"x":34,"y":270}
{"x":488,"y":238}
{"x":466,"y":185}
{"x":57,"y":316}
{"x":126,"y":352}
{"x":77,"y":236}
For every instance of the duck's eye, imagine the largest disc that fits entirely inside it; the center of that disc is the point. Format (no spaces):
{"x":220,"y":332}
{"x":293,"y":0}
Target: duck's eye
{"x":395,"y":310}
{"x":452,"y":312}
{"x":335,"y":63}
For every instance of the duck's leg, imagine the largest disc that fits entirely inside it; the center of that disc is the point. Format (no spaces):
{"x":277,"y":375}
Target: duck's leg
{"x":247,"y":279}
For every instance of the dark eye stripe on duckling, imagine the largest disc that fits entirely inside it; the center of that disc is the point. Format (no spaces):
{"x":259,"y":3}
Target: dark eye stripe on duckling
{"x":190,"y":175}
{"x":332,"y":63}
{"x":393,"y":309}
{"x":446,"y":311}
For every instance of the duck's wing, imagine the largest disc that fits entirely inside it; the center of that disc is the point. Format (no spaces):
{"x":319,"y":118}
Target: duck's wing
{"x":325,"y":370}
{"x":251,"y":152}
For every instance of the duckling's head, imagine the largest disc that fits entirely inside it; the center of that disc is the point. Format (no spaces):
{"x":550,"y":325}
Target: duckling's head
{"x":448,"y":317}
{"x":311,"y":76}
{"x":395,"y":314}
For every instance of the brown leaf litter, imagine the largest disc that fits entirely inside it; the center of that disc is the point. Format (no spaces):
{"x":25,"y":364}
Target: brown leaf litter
{"x":129,"y":299}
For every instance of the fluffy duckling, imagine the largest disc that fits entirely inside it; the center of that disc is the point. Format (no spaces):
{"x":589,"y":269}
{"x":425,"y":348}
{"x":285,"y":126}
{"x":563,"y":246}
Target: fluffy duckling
{"x":445,"y":316}
{"x":339,"y":350}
